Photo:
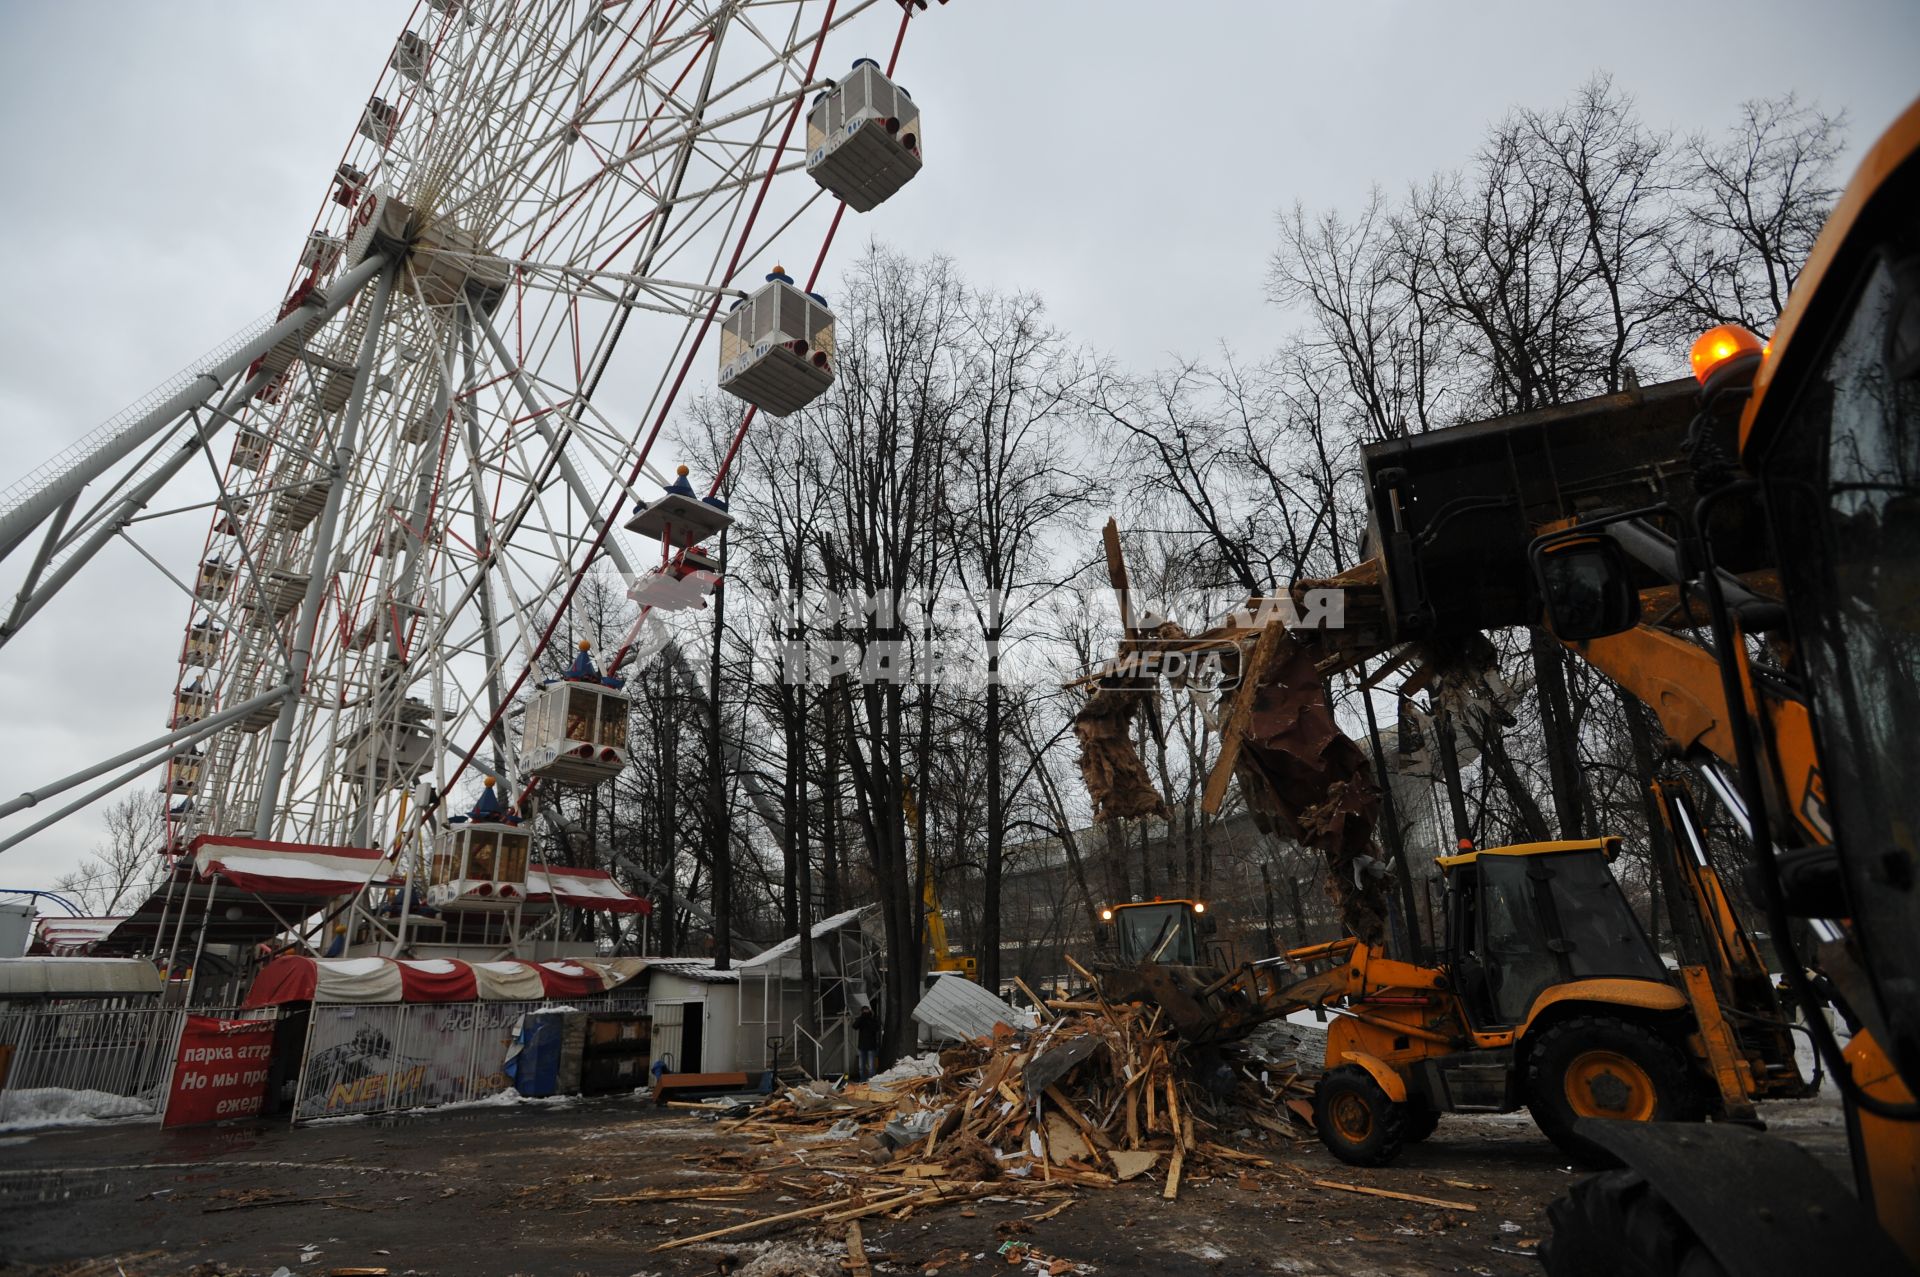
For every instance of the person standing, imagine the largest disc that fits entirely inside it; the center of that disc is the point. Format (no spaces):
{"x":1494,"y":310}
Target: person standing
{"x":866,"y":1026}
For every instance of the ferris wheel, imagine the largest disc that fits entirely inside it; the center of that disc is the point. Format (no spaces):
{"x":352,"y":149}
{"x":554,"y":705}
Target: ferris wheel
{"x":548,"y":213}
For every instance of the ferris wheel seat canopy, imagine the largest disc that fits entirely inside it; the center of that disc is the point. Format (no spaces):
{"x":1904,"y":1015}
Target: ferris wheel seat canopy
{"x":669,"y":589}
{"x":575,"y":732}
{"x":386,"y":754}
{"x":679,"y":519}
{"x":863,"y":138}
{"x":776,"y":349}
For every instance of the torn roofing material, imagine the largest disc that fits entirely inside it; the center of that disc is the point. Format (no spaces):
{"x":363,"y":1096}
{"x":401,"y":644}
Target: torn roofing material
{"x":955,"y":1007}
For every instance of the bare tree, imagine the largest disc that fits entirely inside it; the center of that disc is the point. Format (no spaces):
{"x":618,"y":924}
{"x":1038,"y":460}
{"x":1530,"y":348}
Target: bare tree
{"x":1761,"y":193}
{"x":127,"y":859}
{"x":1015,"y":481}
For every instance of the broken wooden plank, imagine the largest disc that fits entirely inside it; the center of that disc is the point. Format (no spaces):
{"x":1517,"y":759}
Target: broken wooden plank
{"x":1117,"y":573}
{"x":1233,"y":727}
{"x":1398,"y":1197}
{"x":1039,"y":1003}
{"x":892,"y":1197}
{"x":277,"y":1201}
{"x":1234,"y":1154}
{"x":1095,"y":1136}
{"x":933,"y":1194}
{"x":1172,"y":1190}
{"x":856,"y":1261}
{"x":669,"y":1194}
{"x":1091,"y":979}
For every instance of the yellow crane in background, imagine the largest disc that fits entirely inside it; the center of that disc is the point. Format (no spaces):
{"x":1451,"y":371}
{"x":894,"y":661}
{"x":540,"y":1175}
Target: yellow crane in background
{"x":941,"y":959}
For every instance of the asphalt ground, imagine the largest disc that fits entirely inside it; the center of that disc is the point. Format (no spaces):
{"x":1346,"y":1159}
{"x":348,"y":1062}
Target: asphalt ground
{"x":494,"y":1191}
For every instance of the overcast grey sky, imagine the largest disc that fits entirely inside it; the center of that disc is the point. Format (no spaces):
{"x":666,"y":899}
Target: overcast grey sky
{"x":1124,"y":158}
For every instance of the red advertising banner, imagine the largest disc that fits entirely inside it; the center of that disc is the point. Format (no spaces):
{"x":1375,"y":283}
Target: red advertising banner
{"x":221,"y":1071}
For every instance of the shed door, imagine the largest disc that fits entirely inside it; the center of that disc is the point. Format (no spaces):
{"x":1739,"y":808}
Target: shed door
{"x":690,"y":1035}
{"x":677,"y":1032}
{"x":668,"y":1019}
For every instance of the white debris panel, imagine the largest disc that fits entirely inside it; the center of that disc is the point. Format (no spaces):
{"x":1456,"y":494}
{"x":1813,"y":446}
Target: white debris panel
{"x":960,"y":1009}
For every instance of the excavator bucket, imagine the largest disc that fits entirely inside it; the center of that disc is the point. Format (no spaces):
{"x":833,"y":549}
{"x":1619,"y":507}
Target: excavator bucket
{"x":1452,"y":512}
{"x":1299,"y":772}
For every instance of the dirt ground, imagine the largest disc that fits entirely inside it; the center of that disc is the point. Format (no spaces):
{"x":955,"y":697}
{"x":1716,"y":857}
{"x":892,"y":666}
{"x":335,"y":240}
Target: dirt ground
{"x":495,"y":1191}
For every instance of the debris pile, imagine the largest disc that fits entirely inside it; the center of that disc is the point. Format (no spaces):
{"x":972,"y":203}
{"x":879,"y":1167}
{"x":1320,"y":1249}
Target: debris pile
{"x":1092,"y":1096}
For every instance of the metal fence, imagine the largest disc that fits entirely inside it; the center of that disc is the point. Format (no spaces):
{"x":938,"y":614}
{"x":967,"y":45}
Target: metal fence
{"x":379,"y":1058}
{"x":358,"y":1058}
{"x":113,"y":1051}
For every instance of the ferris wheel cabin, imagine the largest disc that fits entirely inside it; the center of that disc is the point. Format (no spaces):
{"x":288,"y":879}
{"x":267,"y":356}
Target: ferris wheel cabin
{"x":863,"y":137}
{"x":480,"y":862}
{"x":183,"y":772}
{"x":191,"y":703}
{"x":215,"y":579}
{"x":202,"y":645}
{"x":776,"y":347}
{"x":576,"y":725}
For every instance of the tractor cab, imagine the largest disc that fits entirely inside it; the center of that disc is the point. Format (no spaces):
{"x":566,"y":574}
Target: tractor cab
{"x":1157,"y":931}
{"x":1526,"y":918}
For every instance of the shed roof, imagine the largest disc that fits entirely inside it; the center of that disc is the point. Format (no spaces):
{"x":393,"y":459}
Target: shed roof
{"x":821,"y":929}
{"x":78,"y":978}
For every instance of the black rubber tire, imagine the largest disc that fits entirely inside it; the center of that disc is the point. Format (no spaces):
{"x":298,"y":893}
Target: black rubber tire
{"x":1615,"y":1224}
{"x":1556,"y":1050}
{"x":1350,"y":1092}
{"x":1422,"y":1121}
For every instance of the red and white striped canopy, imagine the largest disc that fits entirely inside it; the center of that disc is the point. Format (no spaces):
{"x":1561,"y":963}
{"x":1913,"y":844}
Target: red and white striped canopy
{"x":291,"y":868}
{"x":293,"y":978}
{"x":583,"y":889}
{"x":65,"y":937}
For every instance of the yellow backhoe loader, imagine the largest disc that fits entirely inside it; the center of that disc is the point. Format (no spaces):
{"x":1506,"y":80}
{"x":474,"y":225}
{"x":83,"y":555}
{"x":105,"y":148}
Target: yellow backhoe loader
{"x":1741,"y":552}
{"x":1547,"y":995}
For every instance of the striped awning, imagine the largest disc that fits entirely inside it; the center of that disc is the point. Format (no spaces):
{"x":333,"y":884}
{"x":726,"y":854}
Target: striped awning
{"x":293,"y":978}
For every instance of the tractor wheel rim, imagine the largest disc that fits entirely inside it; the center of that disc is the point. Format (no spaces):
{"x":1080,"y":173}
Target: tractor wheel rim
{"x":1352,"y":1118}
{"x":1603,"y":1083}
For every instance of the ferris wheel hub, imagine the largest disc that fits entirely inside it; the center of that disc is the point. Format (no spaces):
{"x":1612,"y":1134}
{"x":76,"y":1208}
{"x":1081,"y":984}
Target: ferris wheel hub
{"x":444,"y":260}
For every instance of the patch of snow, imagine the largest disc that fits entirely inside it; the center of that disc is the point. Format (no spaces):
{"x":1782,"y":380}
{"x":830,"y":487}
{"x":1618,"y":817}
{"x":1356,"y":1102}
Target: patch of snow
{"x":790,"y":1259}
{"x":911,"y":1067}
{"x":37,"y":1107}
{"x":506,"y":1098}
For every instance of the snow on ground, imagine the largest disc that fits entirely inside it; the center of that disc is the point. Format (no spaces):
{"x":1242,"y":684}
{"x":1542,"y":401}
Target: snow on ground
{"x":507,"y":1098}
{"x":38,"y":1107}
